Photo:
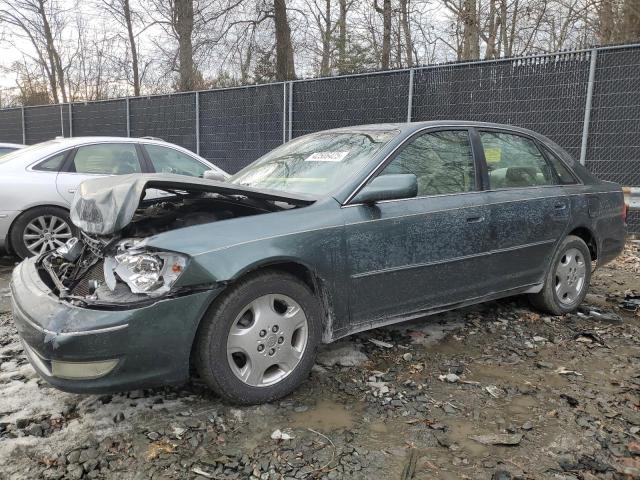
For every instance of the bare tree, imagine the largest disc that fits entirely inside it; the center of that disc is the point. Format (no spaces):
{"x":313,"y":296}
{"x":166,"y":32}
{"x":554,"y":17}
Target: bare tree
{"x":386,"y":12}
{"x":40,"y":22}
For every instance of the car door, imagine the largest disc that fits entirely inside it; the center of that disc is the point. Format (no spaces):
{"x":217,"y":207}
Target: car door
{"x":413,"y":254}
{"x":529,"y":208}
{"x":95,"y":160}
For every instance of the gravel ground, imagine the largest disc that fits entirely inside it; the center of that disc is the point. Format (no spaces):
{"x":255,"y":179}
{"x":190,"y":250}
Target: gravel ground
{"x":495,"y":392}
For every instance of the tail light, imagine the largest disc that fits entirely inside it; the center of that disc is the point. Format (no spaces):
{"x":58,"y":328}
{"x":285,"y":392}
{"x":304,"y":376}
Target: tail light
{"x":625,"y":212}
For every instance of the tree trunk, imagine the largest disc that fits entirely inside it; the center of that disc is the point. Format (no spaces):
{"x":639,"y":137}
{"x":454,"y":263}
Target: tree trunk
{"x":325,"y":69}
{"x":406,"y":29}
{"x":342,"y":38}
{"x":631,"y":21}
{"x":470,"y":35}
{"x":606,"y":22}
{"x":385,"y":56}
{"x":285,"y":68}
{"x":132,"y":45}
{"x":183,"y":25}
{"x":52,"y":69}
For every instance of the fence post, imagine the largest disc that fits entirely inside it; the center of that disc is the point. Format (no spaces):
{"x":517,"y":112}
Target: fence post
{"x":70,"y":120}
{"x":290,"y":109}
{"x":410,"y":96}
{"x":61,"y":121}
{"x":128,"y":120}
{"x":284,"y":112}
{"x":197,"y":123}
{"x":24,"y":130}
{"x":587,"y":106}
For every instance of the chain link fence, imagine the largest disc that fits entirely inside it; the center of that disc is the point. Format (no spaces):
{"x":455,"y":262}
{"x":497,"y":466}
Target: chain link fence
{"x":587,"y":101}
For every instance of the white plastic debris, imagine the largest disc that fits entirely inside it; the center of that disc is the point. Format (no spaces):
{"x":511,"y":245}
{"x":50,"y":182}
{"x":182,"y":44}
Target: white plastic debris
{"x":280,"y":435}
{"x":380,"y":343}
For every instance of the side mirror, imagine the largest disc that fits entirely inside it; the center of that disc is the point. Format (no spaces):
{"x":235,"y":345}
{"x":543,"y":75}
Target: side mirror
{"x":388,"y":187}
{"x":213,"y":175}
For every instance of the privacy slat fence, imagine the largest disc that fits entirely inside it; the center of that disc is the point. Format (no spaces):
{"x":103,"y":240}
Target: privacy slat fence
{"x":587,"y":101}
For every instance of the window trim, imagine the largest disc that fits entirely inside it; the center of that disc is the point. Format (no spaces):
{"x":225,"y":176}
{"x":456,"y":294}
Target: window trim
{"x":533,"y":139}
{"x":66,"y":153}
{"x":73,"y":152}
{"x":152,"y":169}
{"x":547,"y":152}
{"x":400,"y":147}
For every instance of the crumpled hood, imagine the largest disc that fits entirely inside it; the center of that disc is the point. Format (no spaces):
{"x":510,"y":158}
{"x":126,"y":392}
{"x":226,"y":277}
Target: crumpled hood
{"x":105,"y":205}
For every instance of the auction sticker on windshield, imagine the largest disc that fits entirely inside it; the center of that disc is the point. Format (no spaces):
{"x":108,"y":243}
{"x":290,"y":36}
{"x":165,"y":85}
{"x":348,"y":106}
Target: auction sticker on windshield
{"x":327,"y":157}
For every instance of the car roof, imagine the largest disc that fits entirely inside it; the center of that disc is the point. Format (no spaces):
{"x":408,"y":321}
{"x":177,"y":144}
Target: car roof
{"x":408,"y":127}
{"x":74,"y":141}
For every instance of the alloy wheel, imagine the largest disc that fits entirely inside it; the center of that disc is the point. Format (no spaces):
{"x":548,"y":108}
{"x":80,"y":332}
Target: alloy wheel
{"x":45,"y":233}
{"x":570,"y":276}
{"x":267,"y":340}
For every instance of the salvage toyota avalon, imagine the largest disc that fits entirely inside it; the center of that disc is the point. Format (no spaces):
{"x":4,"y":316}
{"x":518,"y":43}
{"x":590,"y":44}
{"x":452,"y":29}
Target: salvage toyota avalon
{"x":330,"y":234}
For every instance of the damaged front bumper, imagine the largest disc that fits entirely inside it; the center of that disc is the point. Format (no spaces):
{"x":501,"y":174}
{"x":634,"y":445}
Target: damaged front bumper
{"x":88,"y":350}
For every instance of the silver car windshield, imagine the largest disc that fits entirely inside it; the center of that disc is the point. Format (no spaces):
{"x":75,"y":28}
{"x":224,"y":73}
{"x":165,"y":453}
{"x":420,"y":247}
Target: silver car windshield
{"x":315,"y":164}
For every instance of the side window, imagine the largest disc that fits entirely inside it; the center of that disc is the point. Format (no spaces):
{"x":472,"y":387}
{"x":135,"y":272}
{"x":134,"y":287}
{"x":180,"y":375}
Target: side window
{"x":169,"y":160}
{"x":106,"y":159}
{"x":52,"y":164}
{"x":514,"y":161}
{"x":441,"y":161}
{"x":565,"y":176}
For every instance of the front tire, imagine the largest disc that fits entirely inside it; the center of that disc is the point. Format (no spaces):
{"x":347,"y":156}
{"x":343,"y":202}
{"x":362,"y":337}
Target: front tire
{"x":258,"y":342}
{"x":40,"y":230}
{"x":567,"y":280}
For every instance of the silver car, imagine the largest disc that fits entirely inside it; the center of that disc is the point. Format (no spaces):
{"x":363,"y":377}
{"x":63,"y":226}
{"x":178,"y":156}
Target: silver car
{"x":9,"y":147}
{"x":37,"y":183}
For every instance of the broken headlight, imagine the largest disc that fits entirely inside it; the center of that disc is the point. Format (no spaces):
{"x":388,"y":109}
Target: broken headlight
{"x":147,"y":272}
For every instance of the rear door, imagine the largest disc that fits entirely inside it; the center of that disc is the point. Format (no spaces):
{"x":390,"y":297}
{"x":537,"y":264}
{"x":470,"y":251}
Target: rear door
{"x":530,"y":210}
{"x":96,"y":160}
{"x":418,"y":253}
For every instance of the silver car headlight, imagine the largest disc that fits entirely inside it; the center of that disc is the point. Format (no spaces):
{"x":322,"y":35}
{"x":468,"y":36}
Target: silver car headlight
{"x":147,"y":272}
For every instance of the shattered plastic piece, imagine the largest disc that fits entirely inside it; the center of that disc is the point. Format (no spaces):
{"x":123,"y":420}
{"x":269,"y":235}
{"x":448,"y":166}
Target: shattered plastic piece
{"x":380,"y":343}
{"x":494,"y":391}
{"x":564,"y":371}
{"x":280,"y":435}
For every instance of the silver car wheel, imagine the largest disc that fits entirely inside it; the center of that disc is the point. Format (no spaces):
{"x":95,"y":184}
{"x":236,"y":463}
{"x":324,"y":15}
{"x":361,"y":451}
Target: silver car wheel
{"x":570,"y":276}
{"x":45,"y":233}
{"x":267,"y":340}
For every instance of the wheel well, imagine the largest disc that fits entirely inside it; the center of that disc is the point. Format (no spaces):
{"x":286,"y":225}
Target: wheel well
{"x":588,"y":238}
{"x":315,"y":284}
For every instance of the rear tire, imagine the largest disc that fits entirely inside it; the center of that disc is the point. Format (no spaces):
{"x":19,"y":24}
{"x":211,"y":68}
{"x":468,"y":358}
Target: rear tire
{"x":258,"y":342}
{"x":567,"y":280}
{"x":39,"y":230}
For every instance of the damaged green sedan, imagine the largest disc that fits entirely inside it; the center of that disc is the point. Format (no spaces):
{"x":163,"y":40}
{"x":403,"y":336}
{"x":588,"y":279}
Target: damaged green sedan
{"x":333,"y":233}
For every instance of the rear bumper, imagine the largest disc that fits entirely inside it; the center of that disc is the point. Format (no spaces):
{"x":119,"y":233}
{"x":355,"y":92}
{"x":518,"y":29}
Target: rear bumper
{"x":150,"y":345}
{"x":6,"y":219}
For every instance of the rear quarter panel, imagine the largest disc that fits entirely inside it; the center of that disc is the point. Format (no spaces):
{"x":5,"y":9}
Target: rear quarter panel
{"x":598,"y":207}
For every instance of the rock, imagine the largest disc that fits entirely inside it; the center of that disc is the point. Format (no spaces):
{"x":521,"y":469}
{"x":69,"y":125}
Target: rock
{"x":449,"y":377}
{"x":75,"y":471}
{"x":87,"y":454}
{"x":119,"y":417}
{"x":22,"y":422}
{"x":73,"y":456}
{"x":407,"y":357}
{"x":344,"y":354}
{"x":498,"y":438}
{"x":501,"y":475}
{"x":527,"y":426}
{"x":53,"y":473}
{"x":544,"y":365}
{"x":153,"y":436}
{"x":34,"y":429}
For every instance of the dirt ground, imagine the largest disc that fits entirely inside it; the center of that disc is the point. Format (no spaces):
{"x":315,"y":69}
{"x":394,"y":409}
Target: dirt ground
{"x":496,"y":392}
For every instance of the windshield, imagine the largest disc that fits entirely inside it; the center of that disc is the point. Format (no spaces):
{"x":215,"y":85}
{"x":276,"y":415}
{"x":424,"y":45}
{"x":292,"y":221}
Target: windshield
{"x":315,"y":164}
{"x":26,"y":150}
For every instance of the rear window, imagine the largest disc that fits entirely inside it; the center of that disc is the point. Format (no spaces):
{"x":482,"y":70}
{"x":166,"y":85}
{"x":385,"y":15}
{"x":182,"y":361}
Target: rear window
{"x":564,"y":174}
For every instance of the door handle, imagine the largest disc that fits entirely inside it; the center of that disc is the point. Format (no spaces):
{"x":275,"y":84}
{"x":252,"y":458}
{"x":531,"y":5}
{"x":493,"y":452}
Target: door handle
{"x":476,"y":219}
{"x":560,"y":206}
{"x":72,"y":190}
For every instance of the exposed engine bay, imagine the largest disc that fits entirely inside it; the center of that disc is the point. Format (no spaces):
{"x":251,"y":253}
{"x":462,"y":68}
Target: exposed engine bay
{"x":118,"y":270}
